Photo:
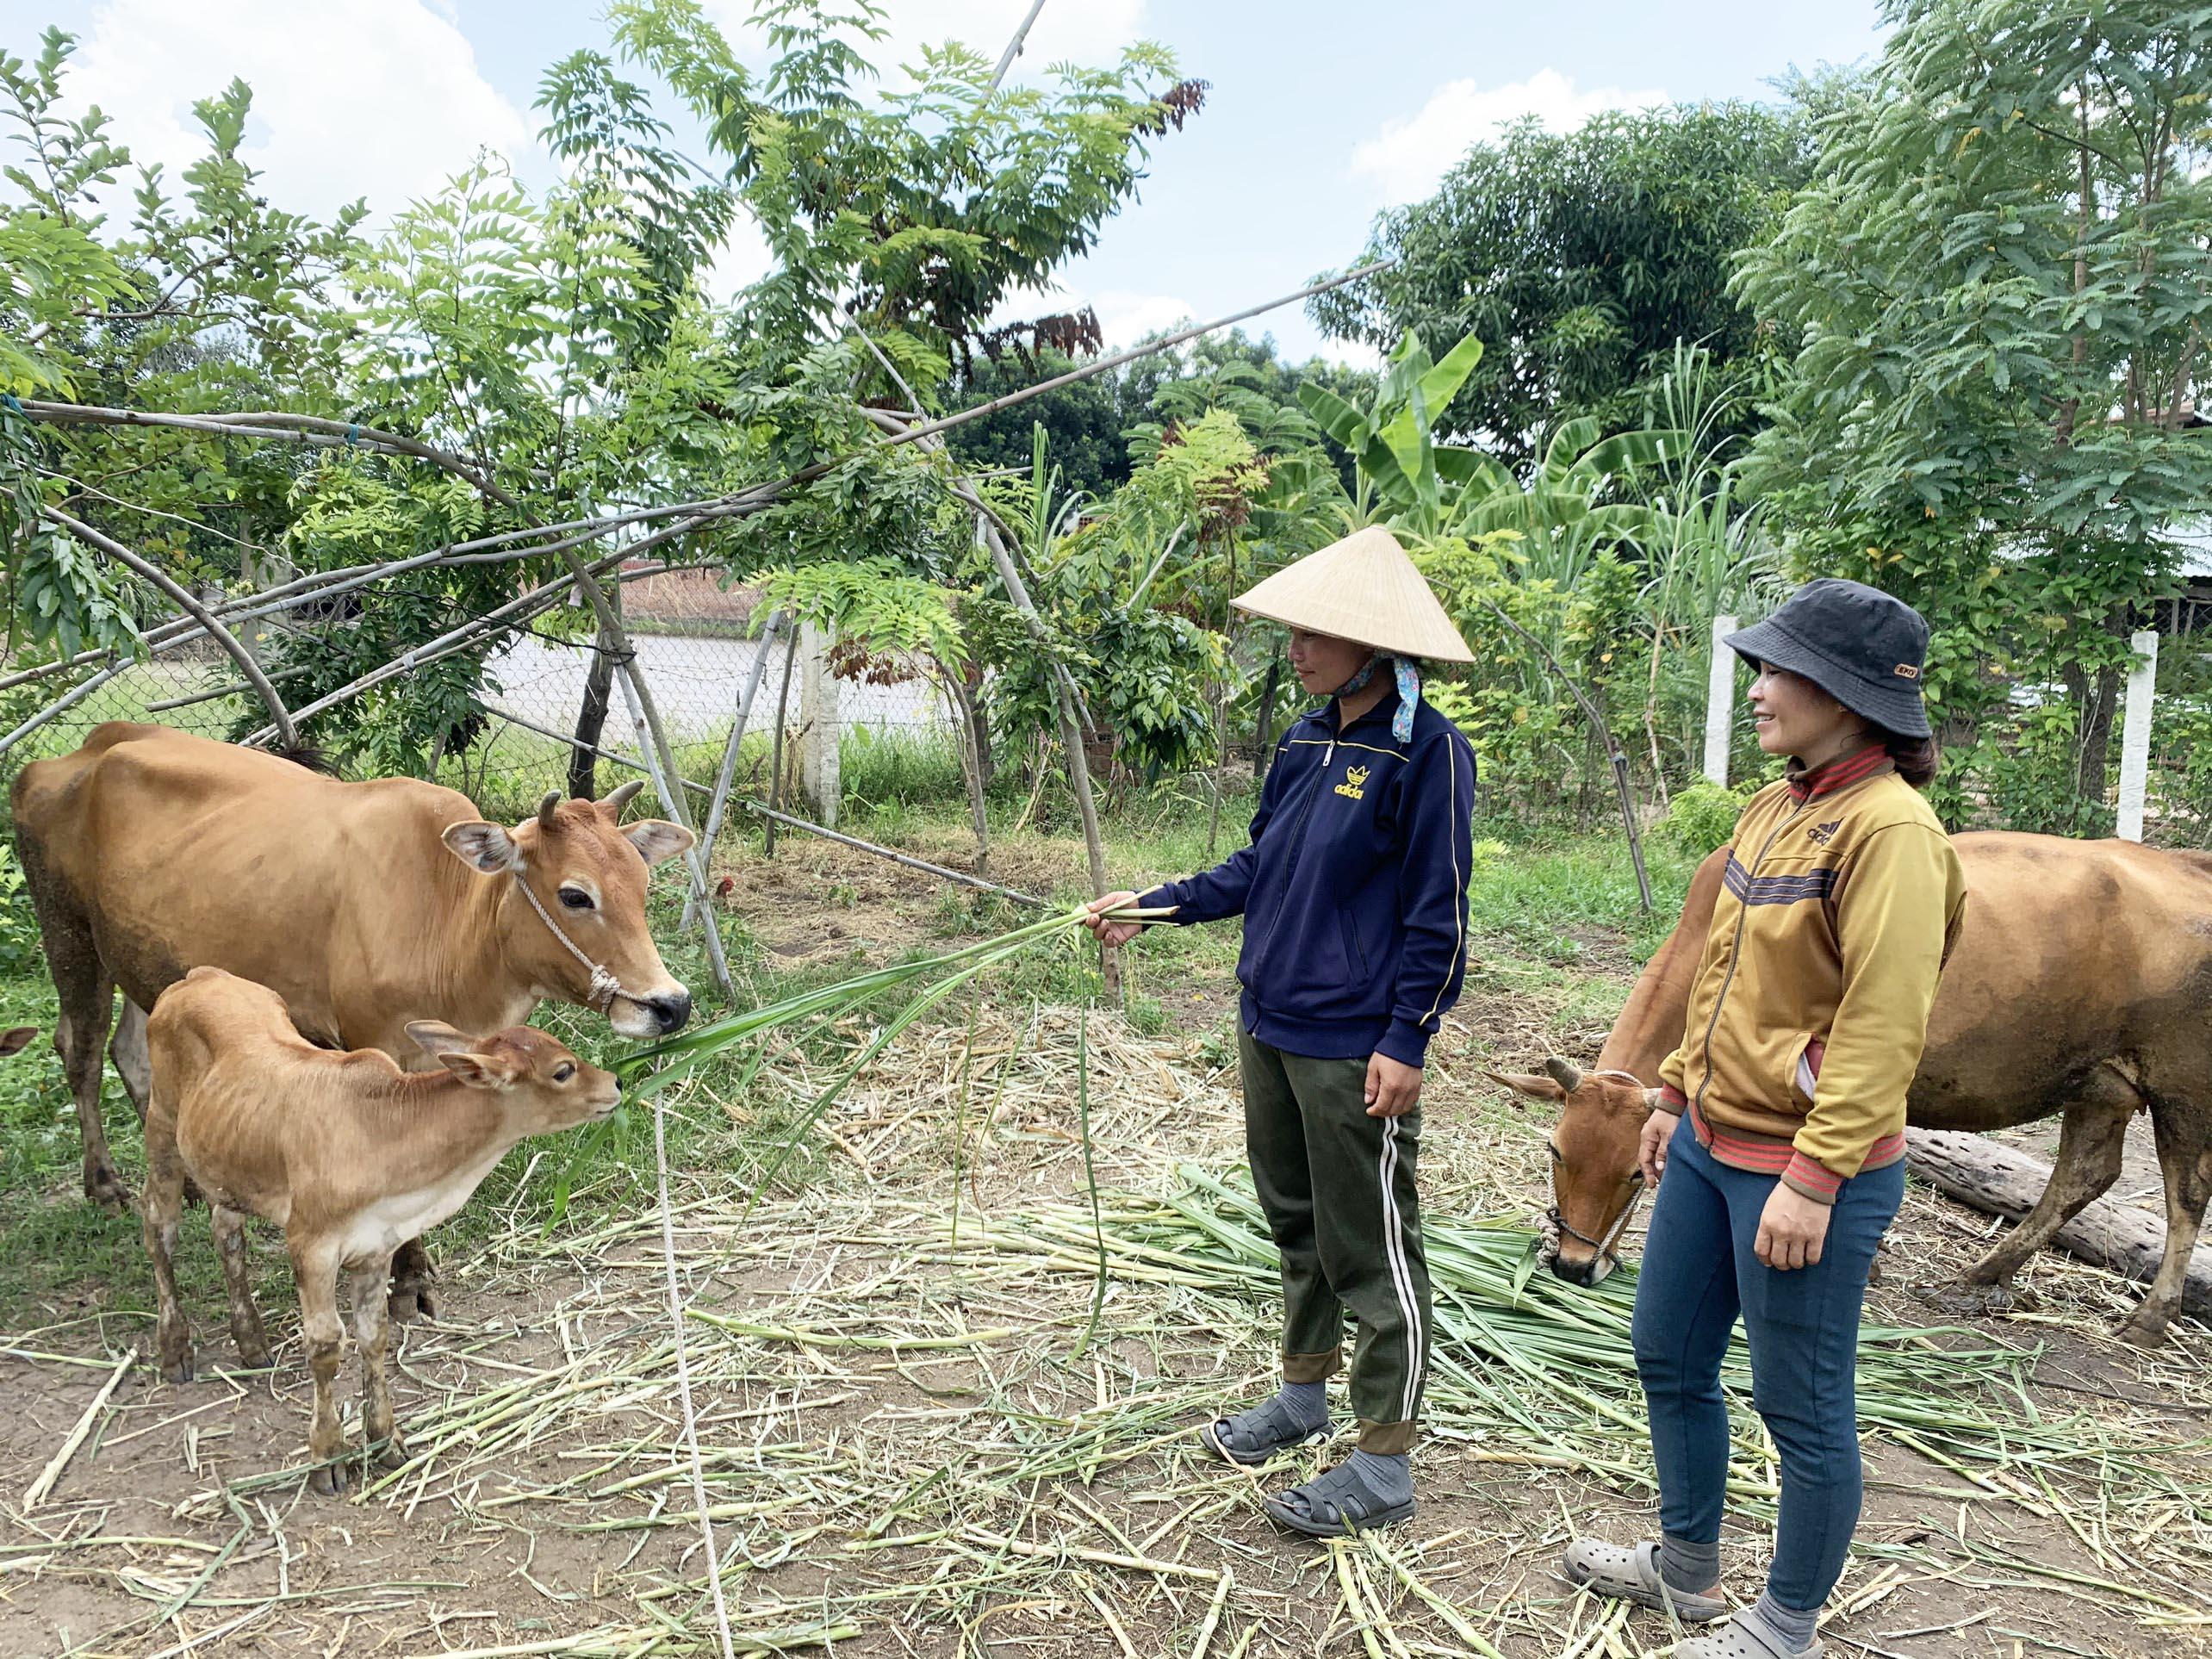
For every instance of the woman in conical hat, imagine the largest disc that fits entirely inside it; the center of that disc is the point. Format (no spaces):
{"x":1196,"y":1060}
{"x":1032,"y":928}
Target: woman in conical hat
{"x":1354,"y":895}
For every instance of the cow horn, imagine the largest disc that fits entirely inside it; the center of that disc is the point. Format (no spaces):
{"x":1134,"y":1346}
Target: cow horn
{"x":1564,"y":1072}
{"x":545,"y":808}
{"x":623,"y":794}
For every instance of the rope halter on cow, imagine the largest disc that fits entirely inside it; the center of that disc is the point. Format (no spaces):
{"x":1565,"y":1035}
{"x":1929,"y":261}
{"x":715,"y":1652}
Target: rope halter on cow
{"x":1606,"y":1254}
{"x":604,"y":987}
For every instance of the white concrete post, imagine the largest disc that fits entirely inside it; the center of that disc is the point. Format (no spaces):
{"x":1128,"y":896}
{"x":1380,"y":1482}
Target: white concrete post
{"x":817,"y":750}
{"x":1720,"y":702}
{"x":2135,"y":738}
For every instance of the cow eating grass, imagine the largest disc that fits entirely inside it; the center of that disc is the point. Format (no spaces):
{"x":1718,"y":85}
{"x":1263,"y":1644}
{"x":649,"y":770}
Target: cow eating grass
{"x":365,"y":906}
{"x":349,"y":1154}
{"x":2079,"y":989}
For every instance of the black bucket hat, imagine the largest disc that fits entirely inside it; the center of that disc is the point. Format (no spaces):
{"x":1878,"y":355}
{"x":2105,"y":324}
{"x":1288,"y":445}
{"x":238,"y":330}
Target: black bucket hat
{"x":1855,"y":643}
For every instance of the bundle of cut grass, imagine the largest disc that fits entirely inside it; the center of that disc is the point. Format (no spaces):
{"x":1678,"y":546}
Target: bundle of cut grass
{"x":1519,"y":1356}
{"x":930,"y":979}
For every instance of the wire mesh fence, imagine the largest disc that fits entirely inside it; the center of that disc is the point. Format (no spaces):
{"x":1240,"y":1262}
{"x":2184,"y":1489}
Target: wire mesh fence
{"x":694,"y":646}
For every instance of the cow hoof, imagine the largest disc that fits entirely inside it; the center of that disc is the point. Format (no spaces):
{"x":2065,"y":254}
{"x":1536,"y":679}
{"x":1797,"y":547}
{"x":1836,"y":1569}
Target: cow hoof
{"x":255,"y":1357}
{"x":393,"y":1453}
{"x":108,"y":1189}
{"x":411,"y":1300}
{"x":329,"y":1479}
{"x":178,"y":1370}
{"x":1972,"y":1301}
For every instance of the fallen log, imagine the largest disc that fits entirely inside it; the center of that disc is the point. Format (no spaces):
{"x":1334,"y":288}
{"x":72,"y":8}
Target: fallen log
{"x":2003,"y":1180}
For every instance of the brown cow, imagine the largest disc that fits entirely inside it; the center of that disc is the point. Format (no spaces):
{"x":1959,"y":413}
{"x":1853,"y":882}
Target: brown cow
{"x":347,"y":1153}
{"x":2081,"y":985}
{"x":149,"y":851}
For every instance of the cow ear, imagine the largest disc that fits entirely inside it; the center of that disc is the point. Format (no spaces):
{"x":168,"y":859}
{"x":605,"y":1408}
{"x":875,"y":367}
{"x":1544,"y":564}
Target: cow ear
{"x":14,"y":1041}
{"x":481,"y":846}
{"x":657,"y":840}
{"x":436,"y":1038}
{"x":1522,"y":1083}
{"x":481,"y":1071}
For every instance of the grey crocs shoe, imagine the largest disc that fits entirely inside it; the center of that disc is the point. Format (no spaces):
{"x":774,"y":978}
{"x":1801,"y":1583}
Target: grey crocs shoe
{"x":1745,"y":1637}
{"x":1335,"y":1504}
{"x":1631,"y":1573}
{"x":1251,"y":1438}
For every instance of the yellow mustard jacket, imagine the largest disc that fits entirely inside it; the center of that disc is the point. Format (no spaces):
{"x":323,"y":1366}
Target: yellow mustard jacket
{"x":1840,"y":903}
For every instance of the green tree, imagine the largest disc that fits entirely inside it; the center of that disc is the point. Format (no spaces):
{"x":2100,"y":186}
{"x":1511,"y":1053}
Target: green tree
{"x":1579,"y":259}
{"x":2002,"y":282}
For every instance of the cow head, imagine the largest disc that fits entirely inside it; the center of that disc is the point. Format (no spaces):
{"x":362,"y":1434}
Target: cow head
{"x":1595,"y":1179}
{"x":587,"y":870}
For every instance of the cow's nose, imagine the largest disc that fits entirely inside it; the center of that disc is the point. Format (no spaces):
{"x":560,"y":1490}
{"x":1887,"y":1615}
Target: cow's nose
{"x":670,"y":1012}
{"x":1574,"y":1272}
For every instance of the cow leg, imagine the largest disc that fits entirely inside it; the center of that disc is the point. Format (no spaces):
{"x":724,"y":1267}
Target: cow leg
{"x":245,"y":1318}
{"x":87,"y":1003}
{"x":134,"y":1062}
{"x":316,"y":1268}
{"x":2184,"y":1140}
{"x":2092,"y":1137}
{"x":372,"y":1333}
{"x":162,"y":1208}
{"x":412,"y":1280}
{"x":85,"y":997}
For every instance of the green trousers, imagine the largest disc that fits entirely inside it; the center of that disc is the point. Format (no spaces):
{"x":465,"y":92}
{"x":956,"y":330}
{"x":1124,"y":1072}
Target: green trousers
{"x":1338,"y":1188}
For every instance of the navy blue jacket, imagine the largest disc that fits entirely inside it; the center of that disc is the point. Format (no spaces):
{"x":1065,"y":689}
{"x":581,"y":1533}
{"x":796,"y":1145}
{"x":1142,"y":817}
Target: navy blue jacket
{"x":1354,"y":889}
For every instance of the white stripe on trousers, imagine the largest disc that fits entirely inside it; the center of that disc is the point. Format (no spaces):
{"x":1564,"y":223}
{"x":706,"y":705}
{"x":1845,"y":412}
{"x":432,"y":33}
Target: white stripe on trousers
{"x":1401,"y":1275}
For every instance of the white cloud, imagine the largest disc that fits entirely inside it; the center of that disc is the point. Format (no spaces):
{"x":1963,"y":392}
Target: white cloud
{"x":374,"y":98}
{"x":1408,"y":156}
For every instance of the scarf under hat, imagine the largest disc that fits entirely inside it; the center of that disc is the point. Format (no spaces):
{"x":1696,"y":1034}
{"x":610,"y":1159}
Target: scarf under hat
{"x":1409,"y":690}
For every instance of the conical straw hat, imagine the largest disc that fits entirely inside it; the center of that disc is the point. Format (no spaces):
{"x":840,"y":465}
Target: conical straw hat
{"x":1363,"y":588}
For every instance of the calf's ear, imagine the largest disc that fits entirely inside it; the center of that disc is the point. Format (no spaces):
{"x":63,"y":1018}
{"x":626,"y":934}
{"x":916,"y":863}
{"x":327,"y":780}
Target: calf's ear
{"x":481,"y":1071}
{"x":13,"y":1042}
{"x":657,"y":840}
{"x":481,"y":846}
{"x":436,"y":1038}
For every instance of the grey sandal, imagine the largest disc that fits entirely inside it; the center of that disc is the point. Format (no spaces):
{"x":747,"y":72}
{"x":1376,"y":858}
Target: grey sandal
{"x":1251,"y":1438}
{"x":1745,"y":1637}
{"x":1334,"y":1505}
{"x":1631,"y":1574}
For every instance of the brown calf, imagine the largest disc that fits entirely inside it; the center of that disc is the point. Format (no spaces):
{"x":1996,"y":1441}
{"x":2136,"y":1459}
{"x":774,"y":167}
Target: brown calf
{"x":349,"y":1155}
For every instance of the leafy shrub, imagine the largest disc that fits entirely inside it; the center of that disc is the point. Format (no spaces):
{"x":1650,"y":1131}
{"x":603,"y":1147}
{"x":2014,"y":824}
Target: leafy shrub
{"x":1700,"y":818}
{"x":20,"y":952}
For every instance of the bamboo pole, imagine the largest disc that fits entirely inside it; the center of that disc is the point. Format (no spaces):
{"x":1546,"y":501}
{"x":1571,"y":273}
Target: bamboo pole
{"x":727,"y":773}
{"x":910,"y":862}
{"x":185,"y":599}
{"x":672,"y":802}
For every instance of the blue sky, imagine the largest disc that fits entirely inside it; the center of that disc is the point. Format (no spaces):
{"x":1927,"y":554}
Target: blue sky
{"x":1319,"y":114}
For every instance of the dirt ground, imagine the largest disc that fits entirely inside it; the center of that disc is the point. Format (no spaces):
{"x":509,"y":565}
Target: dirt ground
{"x":910,"y":1449}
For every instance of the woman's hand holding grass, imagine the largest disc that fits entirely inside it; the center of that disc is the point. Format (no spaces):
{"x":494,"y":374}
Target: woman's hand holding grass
{"x":1112,"y":932}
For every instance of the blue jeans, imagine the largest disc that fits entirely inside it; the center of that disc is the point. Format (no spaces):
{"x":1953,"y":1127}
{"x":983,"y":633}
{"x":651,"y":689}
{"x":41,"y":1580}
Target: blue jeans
{"x":1802,"y":1326}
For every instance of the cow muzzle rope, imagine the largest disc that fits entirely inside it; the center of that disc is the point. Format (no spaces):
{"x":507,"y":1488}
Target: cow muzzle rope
{"x":604,"y":987}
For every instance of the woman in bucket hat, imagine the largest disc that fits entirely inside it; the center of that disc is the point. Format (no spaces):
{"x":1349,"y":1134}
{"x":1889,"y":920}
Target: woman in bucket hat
{"x":1354,"y":892}
{"x":1779,"y":1120}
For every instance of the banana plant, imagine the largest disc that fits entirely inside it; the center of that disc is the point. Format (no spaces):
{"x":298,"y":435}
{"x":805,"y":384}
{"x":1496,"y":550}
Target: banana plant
{"x":1418,"y":480}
